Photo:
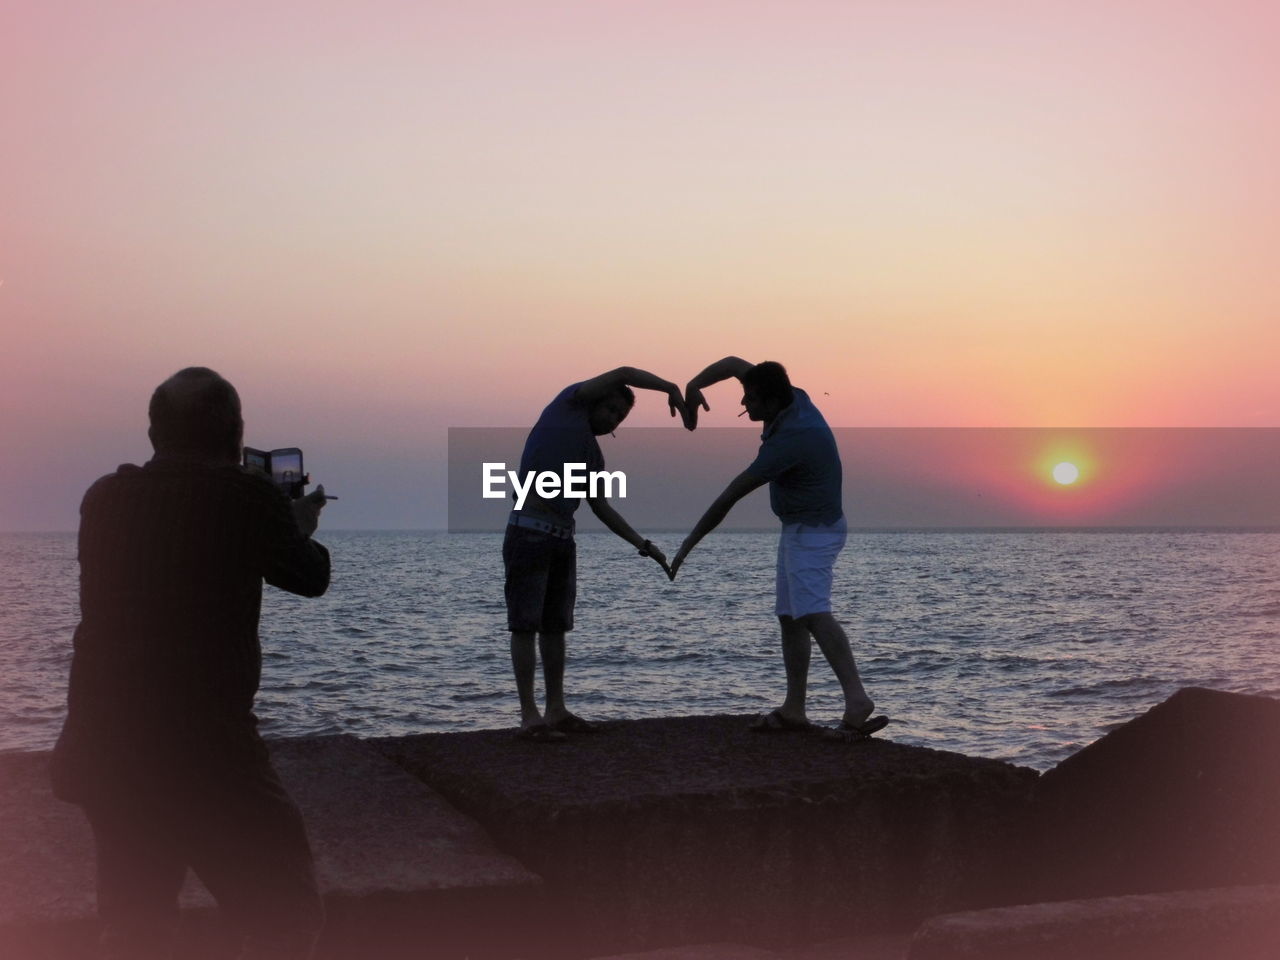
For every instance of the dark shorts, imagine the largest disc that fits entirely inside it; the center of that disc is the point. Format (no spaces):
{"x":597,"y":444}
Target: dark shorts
{"x":542,"y":581}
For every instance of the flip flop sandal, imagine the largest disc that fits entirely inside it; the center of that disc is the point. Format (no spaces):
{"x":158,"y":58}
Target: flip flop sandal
{"x":857,"y":732}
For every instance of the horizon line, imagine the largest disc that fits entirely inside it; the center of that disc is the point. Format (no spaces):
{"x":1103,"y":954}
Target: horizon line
{"x":1093,"y":528}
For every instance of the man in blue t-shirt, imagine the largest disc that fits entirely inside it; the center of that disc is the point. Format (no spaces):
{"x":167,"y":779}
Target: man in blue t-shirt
{"x":539,"y":553}
{"x":799,"y":460}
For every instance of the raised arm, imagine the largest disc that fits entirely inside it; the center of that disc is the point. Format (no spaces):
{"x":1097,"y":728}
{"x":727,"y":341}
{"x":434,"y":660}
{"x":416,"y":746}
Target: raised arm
{"x":738,"y":488}
{"x":720,"y":370}
{"x":599,"y":387}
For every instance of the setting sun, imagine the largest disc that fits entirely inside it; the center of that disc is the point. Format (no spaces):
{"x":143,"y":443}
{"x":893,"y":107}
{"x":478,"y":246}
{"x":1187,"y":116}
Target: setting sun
{"x":1066,"y":473}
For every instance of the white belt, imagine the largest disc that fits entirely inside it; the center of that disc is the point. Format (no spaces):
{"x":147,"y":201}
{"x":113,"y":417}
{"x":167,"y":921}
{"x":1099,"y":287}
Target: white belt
{"x":518,"y":519}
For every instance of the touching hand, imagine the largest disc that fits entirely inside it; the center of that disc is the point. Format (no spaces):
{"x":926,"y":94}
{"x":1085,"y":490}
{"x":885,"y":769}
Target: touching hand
{"x":678,"y":561}
{"x":650,"y":549}
{"x":693,"y":399}
{"x":675,"y":401}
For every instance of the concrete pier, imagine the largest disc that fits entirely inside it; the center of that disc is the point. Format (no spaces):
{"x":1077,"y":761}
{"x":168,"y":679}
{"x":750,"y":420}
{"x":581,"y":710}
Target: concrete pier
{"x":650,"y":833}
{"x":692,"y":838}
{"x":693,"y":829}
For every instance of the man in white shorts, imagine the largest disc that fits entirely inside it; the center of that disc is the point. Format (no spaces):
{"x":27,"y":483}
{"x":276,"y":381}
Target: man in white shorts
{"x":799,"y":460}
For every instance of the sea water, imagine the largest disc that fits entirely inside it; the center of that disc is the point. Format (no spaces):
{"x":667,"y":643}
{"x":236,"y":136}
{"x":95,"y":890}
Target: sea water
{"x":1023,"y":646}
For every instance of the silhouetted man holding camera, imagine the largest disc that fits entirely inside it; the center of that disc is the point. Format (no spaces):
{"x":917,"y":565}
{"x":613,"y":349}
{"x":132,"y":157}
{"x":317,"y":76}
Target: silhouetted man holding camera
{"x":160,"y":745}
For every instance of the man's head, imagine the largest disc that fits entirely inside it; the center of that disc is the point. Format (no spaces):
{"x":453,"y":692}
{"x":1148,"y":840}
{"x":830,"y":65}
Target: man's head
{"x":197,"y":413}
{"x":766,"y":390}
{"x":610,"y":410}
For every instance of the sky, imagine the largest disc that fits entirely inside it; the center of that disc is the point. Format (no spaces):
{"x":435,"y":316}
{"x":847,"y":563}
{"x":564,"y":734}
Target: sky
{"x":383,"y":220}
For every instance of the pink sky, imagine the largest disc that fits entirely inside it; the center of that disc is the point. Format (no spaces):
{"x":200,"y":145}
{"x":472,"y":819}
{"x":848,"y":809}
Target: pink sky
{"x":384,"y":219}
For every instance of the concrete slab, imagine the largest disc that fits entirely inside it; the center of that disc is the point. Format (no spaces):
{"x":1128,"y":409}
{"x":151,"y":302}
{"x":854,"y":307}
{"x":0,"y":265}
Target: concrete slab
{"x":377,"y":830}
{"x":398,"y":865}
{"x":1185,"y":796}
{"x":892,"y":946}
{"x":46,"y":863}
{"x":47,"y":902}
{"x":403,"y":872}
{"x":694,"y":829}
{"x":702,"y":951}
{"x":1238,"y":923}
{"x":881,"y":947}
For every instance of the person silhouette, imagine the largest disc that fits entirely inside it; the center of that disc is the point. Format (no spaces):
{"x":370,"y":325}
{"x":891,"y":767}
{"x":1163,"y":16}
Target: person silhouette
{"x":539,"y":553}
{"x":160,"y":744}
{"x":800,"y":461}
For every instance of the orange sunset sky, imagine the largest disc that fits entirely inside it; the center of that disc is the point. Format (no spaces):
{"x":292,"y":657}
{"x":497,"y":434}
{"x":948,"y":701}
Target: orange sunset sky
{"x":384,"y":219}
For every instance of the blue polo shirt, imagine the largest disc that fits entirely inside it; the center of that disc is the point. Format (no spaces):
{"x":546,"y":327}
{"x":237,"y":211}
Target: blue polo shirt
{"x":561,"y":435}
{"x":798,"y":457}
